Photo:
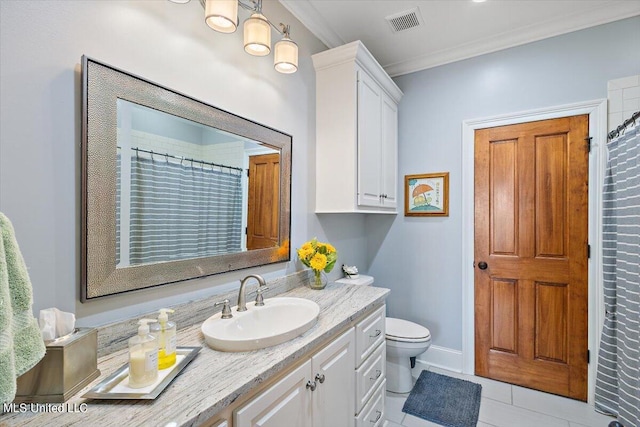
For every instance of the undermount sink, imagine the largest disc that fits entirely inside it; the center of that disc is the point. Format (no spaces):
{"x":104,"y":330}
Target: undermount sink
{"x":279,"y":320}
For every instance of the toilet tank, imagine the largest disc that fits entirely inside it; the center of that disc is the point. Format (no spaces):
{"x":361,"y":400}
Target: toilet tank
{"x":361,"y":280}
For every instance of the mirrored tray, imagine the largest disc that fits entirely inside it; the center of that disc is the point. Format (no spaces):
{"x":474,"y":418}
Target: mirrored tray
{"x":115,"y":386}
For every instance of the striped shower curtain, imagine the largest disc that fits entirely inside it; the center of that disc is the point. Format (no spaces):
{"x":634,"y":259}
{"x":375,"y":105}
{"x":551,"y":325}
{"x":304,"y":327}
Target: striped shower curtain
{"x":183,"y":211}
{"x":618,"y":378}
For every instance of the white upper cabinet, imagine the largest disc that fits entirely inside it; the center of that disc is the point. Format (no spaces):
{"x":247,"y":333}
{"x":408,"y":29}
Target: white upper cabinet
{"x":356,"y":132}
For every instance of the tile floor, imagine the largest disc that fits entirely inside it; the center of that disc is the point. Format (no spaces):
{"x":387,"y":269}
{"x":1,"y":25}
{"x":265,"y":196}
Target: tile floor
{"x":506,"y":405}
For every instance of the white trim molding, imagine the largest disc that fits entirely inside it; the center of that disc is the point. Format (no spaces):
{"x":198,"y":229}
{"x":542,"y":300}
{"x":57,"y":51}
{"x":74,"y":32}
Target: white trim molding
{"x":597,"y":111}
{"x":442,"y":357}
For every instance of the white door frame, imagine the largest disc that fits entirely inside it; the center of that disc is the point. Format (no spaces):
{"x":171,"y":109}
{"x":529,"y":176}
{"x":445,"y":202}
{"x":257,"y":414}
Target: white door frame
{"x":597,"y":111}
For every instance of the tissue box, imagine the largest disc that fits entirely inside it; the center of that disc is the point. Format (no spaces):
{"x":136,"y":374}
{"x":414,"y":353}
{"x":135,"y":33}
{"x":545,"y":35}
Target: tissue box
{"x":71,"y":362}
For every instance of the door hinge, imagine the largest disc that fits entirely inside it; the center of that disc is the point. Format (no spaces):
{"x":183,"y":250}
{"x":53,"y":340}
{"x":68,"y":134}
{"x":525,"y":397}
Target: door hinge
{"x":588,"y":139}
{"x":588,"y":357}
{"x":247,"y":173}
{"x":588,"y":251}
{"x":246,"y":230}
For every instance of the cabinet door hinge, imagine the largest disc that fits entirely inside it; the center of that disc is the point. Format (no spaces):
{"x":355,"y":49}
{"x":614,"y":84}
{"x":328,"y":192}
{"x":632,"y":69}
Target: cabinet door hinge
{"x":588,"y":139}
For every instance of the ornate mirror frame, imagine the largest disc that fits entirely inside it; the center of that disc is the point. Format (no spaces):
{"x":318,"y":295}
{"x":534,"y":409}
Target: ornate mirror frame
{"x":102,"y":85}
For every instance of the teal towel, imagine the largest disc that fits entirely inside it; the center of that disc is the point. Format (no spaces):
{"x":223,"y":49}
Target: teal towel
{"x":21,"y":344}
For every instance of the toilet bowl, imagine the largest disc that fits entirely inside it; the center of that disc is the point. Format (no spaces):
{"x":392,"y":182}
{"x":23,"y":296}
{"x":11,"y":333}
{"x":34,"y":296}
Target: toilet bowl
{"x":404,"y":340}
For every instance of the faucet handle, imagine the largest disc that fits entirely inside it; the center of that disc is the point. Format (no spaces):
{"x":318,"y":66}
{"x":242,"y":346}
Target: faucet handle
{"x":259,"y":297}
{"x":226,"y":310}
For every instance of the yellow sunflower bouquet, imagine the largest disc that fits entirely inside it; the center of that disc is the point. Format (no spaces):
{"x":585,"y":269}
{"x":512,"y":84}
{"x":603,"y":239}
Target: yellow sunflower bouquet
{"x":319,"y":257}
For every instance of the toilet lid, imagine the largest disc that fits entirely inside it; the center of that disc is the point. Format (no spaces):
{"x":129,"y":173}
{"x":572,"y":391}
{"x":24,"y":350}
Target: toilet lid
{"x":403,"y":330}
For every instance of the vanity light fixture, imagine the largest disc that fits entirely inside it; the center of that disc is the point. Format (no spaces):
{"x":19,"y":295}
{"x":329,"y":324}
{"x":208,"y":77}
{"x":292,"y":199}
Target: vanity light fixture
{"x":257,"y":34}
{"x":285,"y":59}
{"x":222,"y":16}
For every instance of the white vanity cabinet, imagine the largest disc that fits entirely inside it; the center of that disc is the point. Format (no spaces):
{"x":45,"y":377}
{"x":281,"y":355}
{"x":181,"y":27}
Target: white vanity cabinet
{"x":312,"y":395}
{"x":370,"y":369}
{"x":356,"y":132}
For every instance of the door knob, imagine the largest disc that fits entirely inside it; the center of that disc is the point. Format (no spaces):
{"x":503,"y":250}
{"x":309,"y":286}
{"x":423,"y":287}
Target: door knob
{"x":482,"y":265}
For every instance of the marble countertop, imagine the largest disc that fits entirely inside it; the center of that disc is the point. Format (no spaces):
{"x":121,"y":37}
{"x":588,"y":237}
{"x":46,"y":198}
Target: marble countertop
{"x":213,"y":380}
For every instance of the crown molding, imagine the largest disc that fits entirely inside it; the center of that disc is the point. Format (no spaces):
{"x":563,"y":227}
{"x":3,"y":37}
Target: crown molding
{"x":614,"y":11}
{"x":358,"y":53}
{"x":304,"y":11}
{"x":534,"y":32}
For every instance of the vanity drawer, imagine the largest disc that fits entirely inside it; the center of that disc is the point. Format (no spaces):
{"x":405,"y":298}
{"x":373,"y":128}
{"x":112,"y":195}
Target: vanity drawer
{"x":373,"y":414}
{"x":370,"y":375}
{"x":369,"y":334}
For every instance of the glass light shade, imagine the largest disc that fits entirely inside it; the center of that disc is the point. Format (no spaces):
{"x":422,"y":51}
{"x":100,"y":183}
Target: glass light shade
{"x":257,"y":35}
{"x":286,"y":56}
{"x":221,"y":15}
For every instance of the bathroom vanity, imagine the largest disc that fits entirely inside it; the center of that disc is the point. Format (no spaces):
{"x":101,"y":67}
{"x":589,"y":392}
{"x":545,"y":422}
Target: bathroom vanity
{"x":331,"y":375}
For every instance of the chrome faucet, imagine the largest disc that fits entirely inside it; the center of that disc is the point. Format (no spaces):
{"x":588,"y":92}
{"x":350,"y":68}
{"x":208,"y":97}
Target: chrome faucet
{"x":242,"y":299}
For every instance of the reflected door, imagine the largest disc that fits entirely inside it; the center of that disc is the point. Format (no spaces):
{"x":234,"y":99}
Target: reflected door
{"x":264,"y":201}
{"x":531,"y":229}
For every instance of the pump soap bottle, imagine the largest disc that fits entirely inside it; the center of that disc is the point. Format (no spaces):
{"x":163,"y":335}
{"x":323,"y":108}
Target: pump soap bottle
{"x":167,"y":340}
{"x":143,"y":357}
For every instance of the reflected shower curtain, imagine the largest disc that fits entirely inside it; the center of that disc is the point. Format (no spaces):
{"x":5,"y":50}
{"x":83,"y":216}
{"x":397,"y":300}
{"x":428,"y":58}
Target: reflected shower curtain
{"x":618,"y":378}
{"x":183,"y":211}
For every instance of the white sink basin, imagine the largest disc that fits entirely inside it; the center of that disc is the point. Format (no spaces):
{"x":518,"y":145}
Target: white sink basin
{"x":279,"y":320}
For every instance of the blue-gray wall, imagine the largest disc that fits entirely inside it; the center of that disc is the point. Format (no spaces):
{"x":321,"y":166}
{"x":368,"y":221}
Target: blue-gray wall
{"x":41,"y":44}
{"x":420,"y":258}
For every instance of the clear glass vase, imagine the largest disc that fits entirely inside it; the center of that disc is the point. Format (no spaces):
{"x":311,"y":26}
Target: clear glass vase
{"x":319,"y":281}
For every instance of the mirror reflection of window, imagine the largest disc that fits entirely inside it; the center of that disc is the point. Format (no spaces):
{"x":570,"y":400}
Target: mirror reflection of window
{"x":183,"y":189}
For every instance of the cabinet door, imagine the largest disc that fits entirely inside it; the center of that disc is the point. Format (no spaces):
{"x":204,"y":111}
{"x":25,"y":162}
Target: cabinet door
{"x":369,"y":140}
{"x":389,"y":143}
{"x":286,"y":403}
{"x":333,"y":371}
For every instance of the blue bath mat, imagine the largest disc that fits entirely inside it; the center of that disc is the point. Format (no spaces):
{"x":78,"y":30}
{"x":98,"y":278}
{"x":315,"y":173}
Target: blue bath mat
{"x":444,"y":400}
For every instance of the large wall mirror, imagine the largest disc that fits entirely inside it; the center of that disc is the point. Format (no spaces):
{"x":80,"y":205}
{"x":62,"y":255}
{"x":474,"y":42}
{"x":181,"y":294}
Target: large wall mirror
{"x":174,"y":189}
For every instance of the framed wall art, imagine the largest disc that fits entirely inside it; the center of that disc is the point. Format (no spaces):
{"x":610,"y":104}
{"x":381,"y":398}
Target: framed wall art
{"x":426,"y":194}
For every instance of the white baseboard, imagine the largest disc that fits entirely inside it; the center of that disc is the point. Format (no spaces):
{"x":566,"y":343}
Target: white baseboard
{"x":441,"y":357}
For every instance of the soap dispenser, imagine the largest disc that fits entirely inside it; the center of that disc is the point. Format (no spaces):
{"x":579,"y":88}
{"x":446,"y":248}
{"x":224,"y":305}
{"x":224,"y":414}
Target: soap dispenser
{"x":166,"y":340}
{"x":143,"y":357}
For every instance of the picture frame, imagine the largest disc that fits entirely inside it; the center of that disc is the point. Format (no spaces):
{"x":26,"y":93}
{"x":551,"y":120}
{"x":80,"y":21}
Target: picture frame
{"x":426,"y":194}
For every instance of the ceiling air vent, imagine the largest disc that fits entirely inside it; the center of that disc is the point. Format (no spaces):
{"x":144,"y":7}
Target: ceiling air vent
{"x":405,"y":20}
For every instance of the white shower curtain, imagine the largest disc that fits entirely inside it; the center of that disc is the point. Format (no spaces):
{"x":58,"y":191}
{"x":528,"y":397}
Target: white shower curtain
{"x":183,"y":211}
{"x":618,"y":378}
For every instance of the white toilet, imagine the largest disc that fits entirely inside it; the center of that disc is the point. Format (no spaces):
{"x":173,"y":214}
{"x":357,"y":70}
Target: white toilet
{"x":404,"y":340}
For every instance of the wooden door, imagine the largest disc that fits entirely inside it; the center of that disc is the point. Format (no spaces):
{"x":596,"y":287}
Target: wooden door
{"x":264,"y":201}
{"x":531,"y":225}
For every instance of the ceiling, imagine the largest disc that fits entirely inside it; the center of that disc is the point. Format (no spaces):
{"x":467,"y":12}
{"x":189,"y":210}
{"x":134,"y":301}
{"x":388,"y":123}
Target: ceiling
{"x":450,"y":30}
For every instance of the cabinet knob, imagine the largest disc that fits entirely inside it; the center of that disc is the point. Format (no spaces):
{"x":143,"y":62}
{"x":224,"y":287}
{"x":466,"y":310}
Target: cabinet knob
{"x":311,"y":385}
{"x":319,"y":378}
